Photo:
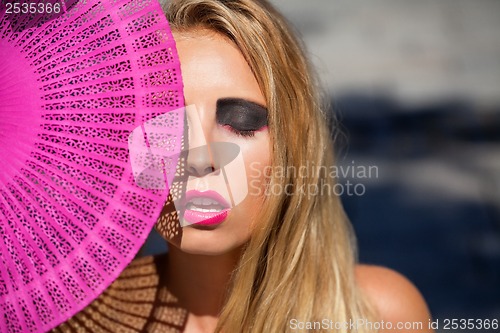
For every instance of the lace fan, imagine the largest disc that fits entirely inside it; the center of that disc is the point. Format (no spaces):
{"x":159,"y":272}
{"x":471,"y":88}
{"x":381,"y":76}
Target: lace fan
{"x":77,"y":87}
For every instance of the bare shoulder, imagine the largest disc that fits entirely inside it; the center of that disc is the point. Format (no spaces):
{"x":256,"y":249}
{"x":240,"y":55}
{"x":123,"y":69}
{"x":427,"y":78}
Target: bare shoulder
{"x":396,"y":299}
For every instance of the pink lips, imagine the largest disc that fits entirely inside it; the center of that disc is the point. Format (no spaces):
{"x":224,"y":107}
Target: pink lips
{"x":206,"y":218}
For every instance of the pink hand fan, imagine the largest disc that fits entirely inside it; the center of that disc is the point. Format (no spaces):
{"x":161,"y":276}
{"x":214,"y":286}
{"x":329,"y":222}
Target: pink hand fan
{"x":79,"y":86}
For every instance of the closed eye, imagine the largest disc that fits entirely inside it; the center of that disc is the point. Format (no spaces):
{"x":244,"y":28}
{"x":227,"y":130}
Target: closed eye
{"x":244,"y":133}
{"x":241,"y":116}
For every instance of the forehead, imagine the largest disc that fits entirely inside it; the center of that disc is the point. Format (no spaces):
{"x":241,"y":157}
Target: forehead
{"x":211,"y":64}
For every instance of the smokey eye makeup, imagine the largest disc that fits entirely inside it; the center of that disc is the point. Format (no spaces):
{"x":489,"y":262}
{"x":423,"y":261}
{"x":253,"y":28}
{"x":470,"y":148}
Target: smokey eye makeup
{"x":241,"y":116}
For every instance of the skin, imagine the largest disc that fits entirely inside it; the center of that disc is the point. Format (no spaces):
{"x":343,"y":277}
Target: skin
{"x":188,"y":286}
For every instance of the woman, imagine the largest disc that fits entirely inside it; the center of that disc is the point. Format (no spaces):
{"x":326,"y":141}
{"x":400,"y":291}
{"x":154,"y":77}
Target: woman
{"x":271,"y":261}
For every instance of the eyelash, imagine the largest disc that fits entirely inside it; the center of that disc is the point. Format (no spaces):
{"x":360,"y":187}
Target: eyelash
{"x":245,"y":134}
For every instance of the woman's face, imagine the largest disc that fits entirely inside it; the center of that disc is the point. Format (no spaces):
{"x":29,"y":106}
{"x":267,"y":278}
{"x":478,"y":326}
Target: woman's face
{"x":228,"y":145}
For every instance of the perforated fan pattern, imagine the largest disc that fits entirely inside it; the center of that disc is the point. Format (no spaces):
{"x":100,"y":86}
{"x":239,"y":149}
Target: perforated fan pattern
{"x":78,"y":89}
{"x":136,"y":302}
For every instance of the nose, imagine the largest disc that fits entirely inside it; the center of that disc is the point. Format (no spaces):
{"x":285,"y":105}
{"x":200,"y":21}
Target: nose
{"x":199,"y":161}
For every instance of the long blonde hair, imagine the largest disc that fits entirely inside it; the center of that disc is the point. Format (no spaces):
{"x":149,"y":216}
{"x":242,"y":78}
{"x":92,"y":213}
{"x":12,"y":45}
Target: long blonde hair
{"x":300,"y":261}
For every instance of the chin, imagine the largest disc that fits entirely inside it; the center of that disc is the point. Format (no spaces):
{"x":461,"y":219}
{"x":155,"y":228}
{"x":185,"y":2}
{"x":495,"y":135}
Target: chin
{"x":208,"y":242}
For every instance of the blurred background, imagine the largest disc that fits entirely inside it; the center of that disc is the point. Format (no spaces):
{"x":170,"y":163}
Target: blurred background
{"x":415,"y":86}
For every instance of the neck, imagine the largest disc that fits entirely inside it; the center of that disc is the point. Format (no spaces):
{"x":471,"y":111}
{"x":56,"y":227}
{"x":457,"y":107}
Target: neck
{"x":200,"y":282}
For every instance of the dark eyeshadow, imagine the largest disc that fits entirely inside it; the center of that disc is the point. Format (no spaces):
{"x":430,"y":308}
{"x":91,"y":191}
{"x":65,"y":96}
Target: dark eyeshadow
{"x":241,"y":114}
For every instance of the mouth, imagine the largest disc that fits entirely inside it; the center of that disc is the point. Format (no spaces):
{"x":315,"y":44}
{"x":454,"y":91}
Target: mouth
{"x":205,"y":208}
{"x":204,"y":205}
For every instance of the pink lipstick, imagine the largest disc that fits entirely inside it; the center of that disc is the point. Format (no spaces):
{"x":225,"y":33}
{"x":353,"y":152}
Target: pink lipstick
{"x":205,"y":208}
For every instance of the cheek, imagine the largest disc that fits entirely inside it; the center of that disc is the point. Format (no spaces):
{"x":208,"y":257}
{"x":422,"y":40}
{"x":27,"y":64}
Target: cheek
{"x":257,"y":164}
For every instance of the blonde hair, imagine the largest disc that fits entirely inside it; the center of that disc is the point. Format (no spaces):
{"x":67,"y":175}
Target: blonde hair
{"x":300,"y":261}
